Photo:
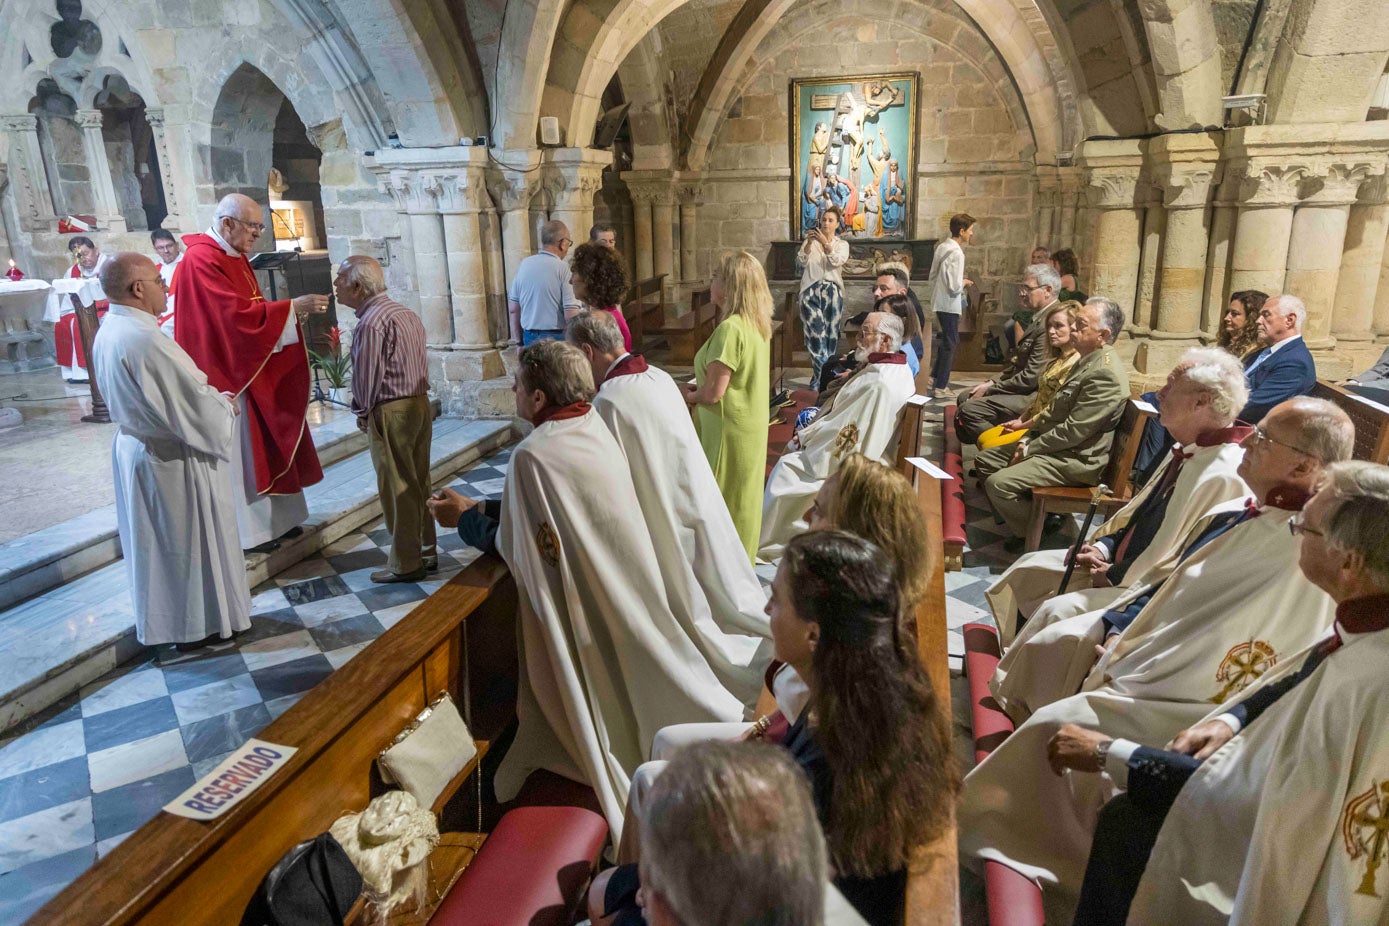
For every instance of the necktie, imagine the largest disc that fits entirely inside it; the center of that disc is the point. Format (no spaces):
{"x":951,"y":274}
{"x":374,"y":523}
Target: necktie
{"x":1263,"y":355}
{"x":1160,"y":492}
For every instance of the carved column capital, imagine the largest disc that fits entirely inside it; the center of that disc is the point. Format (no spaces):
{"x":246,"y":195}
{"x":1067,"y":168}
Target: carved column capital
{"x":414,"y":192}
{"x":155,"y":118}
{"x":1114,"y":188}
{"x":458,"y":191}
{"x":88,"y":119}
{"x":690,"y":194}
{"x":1337,"y":184}
{"x":651,"y":192}
{"x":511,"y":189}
{"x":23,"y":122}
{"x":1186,"y":186}
{"x":1266,"y":184}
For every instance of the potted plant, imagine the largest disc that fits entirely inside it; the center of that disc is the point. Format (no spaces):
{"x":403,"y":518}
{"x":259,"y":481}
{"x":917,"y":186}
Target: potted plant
{"x":334,"y":364}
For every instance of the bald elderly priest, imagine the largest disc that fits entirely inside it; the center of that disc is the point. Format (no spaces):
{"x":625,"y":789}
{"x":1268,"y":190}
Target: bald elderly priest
{"x":1235,"y":607}
{"x":1141,"y":542}
{"x":1068,"y":444}
{"x":254,"y":351}
{"x":709,"y":581}
{"x":173,"y":473}
{"x":604,"y":661}
{"x":1273,"y":809}
{"x":861,"y":418}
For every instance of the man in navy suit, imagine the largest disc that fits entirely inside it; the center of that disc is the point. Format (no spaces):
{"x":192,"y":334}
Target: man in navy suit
{"x":1281,"y":370}
{"x":1341,"y":553}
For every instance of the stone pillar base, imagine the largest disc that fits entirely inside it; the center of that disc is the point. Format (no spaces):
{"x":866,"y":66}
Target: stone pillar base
{"x":1155,"y":358}
{"x":472,"y":383}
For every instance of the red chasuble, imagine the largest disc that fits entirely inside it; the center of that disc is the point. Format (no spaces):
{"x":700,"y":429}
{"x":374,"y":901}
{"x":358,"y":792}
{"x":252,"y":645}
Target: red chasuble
{"x":230,"y":331}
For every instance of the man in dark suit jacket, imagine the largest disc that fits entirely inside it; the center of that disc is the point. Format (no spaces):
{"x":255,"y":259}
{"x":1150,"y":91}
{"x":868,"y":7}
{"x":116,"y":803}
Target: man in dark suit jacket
{"x":1128,"y":827}
{"x":1281,"y":370}
{"x":1374,"y":382}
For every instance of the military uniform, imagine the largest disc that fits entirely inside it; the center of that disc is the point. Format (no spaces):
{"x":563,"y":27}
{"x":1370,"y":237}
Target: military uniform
{"x":1069,"y":443}
{"x":1012,"y":392}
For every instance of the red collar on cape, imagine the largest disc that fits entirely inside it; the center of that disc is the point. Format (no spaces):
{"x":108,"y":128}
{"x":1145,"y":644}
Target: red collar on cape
{"x":1234,"y":434}
{"x":630,"y":365}
{"x":1363,"y":615}
{"x":561,"y":412}
{"x":897,"y":357}
{"x":1288,"y":498}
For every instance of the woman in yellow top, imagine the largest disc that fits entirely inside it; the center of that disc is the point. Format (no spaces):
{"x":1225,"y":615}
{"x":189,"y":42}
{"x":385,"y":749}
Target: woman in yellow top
{"x":1060,"y":328}
{"x":731,"y":394}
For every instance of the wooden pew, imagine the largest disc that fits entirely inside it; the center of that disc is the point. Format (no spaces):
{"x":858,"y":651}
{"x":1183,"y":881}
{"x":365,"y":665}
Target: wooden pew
{"x":182,"y":872}
{"x":643,"y":298}
{"x":1371,"y":420}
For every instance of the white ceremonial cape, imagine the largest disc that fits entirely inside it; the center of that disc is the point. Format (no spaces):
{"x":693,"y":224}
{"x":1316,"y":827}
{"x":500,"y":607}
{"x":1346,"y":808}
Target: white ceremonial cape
{"x":862,"y":418}
{"x":171,"y":461}
{"x":604,"y":664}
{"x":1208,"y":478}
{"x":1286,"y":823}
{"x":1235,"y":608}
{"x":709,"y":581}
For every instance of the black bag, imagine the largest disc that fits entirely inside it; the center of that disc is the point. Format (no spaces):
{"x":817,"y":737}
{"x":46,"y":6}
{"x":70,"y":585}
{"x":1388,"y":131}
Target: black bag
{"x":313,"y":884}
{"x":993,"y":350}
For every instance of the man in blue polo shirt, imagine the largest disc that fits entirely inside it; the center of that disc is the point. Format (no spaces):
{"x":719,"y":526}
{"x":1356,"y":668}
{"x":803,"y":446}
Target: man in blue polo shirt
{"x":541,"y":298}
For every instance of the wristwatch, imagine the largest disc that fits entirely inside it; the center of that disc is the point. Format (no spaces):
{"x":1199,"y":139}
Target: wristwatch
{"x":1102,"y":752}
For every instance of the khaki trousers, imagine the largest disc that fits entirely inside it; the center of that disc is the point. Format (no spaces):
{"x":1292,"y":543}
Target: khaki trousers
{"x":398,"y":435}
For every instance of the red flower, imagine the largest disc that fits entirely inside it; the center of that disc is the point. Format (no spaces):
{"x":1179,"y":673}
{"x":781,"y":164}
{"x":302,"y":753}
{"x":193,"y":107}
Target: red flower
{"x":335,"y":340}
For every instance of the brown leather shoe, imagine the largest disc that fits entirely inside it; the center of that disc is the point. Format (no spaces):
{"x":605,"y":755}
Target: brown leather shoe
{"x":385,"y":576}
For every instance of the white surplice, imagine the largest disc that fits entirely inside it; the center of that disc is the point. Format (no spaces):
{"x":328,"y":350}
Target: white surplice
{"x":604,"y":663}
{"x":709,"y":581}
{"x":1234,"y":609}
{"x":861,"y":418}
{"x":1208,"y":478}
{"x":1285,"y":824}
{"x":173,"y":475}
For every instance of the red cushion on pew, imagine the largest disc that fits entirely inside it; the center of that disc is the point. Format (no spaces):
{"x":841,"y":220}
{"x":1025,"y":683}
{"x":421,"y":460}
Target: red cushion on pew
{"x":533,"y":870}
{"x":952,"y":498}
{"x":805,"y":397}
{"x":1013,"y":900}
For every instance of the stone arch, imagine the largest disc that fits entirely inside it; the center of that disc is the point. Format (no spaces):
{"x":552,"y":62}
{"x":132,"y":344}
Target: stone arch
{"x":1327,"y":61}
{"x":649,"y":119}
{"x":1185,"y":56}
{"x":523,"y":61}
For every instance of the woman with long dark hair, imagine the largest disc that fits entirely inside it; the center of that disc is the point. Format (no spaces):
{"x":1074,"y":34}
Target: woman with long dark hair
{"x":599,"y":278}
{"x":1239,"y":326}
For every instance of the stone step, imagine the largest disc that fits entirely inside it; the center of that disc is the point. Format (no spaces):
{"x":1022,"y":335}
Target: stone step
{"x":45,"y":559}
{"x":80,"y":629}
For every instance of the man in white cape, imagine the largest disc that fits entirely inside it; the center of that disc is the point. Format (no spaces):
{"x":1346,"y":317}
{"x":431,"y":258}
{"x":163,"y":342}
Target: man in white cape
{"x":1273,"y":809}
{"x":604,"y":663}
{"x":709,"y":583}
{"x":1235,"y":607}
{"x":173,"y":475}
{"x":861,"y":418}
{"x":1141,"y":542}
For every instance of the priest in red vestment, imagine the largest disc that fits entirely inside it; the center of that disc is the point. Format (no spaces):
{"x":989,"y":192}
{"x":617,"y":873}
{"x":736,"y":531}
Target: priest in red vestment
{"x":254,"y":351}
{"x":67,"y":336}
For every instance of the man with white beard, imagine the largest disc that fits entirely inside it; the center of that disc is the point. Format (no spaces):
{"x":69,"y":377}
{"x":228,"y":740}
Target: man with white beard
{"x":1235,"y":607}
{"x":861,"y":418}
{"x":709,"y":581}
{"x":604,"y":663}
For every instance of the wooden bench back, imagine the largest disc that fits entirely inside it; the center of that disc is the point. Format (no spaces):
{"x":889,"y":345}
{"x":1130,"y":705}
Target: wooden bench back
{"x":1370,"y":418}
{"x":1127,"y":438}
{"x":642,"y":296}
{"x":909,"y":424}
{"x":179,"y":872}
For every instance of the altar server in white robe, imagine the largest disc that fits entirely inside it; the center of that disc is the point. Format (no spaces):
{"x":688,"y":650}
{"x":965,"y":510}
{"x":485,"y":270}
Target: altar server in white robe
{"x":861,"y":418}
{"x":1141,"y":542}
{"x":709,"y":583}
{"x":1274,"y":809}
{"x":1236,"y":606}
{"x":171,"y":461}
{"x":604,"y":663}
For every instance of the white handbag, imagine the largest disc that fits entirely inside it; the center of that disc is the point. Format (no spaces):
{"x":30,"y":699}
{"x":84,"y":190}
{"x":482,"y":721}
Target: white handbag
{"x":430,"y":752}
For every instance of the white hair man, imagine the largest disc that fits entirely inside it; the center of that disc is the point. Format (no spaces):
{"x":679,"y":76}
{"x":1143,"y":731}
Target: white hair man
{"x":1275,"y":805}
{"x":860,"y":418}
{"x":604,"y":661}
{"x":1234,"y":607}
{"x":1008,"y":395}
{"x":1141,"y":541}
{"x":709,"y":581}
{"x":541,"y":298}
{"x":1068,"y":443}
{"x":172,"y":465}
{"x":390,"y":397}
{"x":253,"y":350}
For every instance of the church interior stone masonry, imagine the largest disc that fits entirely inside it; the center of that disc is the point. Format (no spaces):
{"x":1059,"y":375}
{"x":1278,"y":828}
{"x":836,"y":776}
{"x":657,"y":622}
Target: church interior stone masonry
{"x":1184,"y":149}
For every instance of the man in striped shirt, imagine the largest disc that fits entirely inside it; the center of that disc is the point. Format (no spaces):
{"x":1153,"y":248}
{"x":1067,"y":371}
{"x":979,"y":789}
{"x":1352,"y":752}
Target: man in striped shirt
{"x":390,"y":385}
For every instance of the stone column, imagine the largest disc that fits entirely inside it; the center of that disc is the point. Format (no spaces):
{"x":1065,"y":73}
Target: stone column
{"x":1316,"y":242}
{"x":641,"y":220}
{"x":1113,"y":195}
{"x":1045,"y":207}
{"x":689,"y":196}
{"x":1181,"y":282}
{"x":1154,"y":222}
{"x":460,"y":196}
{"x":663,"y":233}
{"x":33,"y":200}
{"x":1352,"y":314}
{"x":155,"y":118}
{"x":1223,"y":213}
{"x":576,"y":175}
{"x":1267,"y":195}
{"x":1070,"y":184}
{"x":103,"y":188}
{"x":512,"y":186}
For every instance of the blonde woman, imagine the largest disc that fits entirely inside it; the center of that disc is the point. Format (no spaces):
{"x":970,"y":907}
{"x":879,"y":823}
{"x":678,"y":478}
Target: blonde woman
{"x":731,"y":391}
{"x":1059,"y":325}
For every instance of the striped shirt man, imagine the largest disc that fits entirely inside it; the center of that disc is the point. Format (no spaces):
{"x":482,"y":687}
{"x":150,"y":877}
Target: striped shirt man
{"x":388,"y":355}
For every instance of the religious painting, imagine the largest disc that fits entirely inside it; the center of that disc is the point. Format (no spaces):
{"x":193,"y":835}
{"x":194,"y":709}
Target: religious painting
{"x":853,"y":145}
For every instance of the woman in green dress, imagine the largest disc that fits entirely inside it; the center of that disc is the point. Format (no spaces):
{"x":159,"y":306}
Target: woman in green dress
{"x":731,"y":393}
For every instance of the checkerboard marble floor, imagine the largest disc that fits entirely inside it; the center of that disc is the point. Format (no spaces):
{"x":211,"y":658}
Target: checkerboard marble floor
{"x":81,"y":776}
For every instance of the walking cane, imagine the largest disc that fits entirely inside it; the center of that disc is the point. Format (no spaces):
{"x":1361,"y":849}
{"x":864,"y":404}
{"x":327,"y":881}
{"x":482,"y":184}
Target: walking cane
{"x":1100,"y":492}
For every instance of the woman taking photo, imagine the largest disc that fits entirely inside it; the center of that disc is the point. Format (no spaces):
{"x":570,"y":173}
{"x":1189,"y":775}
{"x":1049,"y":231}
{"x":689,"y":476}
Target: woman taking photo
{"x":820,"y":258}
{"x":600,"y":281}
{"x":732,"y":390}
